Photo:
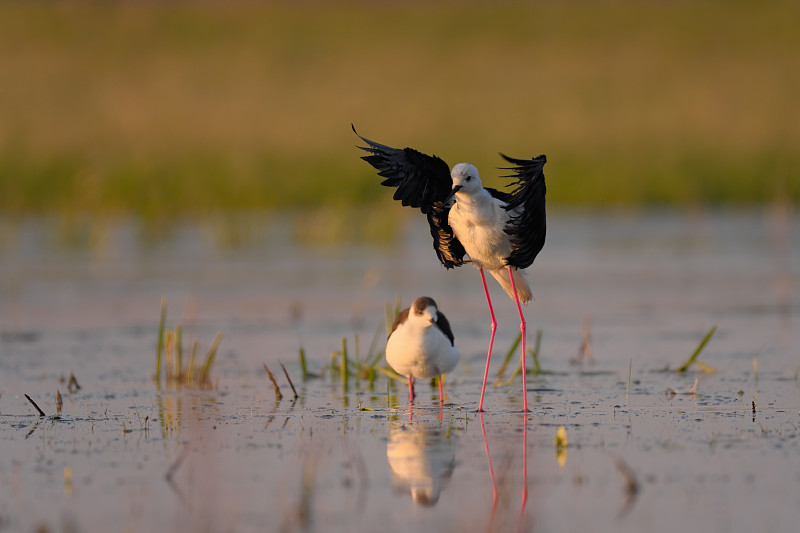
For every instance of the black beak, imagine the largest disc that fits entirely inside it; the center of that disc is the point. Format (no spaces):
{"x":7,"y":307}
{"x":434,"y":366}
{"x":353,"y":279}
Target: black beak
{"x":453,"y":192}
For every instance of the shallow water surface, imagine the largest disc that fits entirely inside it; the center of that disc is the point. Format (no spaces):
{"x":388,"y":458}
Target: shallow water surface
{"x":642,"y":453}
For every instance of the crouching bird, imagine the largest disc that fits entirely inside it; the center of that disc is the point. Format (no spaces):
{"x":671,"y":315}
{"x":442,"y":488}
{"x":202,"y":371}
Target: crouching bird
{"x":421,"y":344}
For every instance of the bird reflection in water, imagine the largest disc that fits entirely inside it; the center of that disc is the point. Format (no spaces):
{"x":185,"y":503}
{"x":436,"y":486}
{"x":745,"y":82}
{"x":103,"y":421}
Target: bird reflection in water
{"x":422,"y":456}
{"x":495,"y":491}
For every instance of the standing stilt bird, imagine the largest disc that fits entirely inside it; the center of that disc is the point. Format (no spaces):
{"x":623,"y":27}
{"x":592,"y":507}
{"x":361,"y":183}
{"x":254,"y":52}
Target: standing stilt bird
{"x":501,"y":232}
{"x":421,"y":344}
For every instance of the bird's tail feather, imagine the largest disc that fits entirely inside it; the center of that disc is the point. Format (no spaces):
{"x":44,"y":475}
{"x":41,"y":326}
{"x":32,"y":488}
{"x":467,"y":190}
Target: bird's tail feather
{"x":520,"y":280}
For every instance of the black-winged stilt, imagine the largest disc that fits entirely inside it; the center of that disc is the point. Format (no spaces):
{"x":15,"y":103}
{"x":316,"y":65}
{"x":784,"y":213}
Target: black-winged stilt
{"x":422,"y":457}
{"x":421,"y":344}
{"x":501,"y":232}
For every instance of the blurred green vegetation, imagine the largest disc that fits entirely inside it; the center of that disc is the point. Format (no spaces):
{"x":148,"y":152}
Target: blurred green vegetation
{"x":162,"y":109}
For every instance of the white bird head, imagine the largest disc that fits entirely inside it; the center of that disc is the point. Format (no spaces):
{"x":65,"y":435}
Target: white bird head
{"x":425,"y":310}
{"x":465,"y":179}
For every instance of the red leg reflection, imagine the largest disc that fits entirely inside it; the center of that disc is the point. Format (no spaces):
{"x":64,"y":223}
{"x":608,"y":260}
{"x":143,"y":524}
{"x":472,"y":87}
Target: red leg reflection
{"x":491,"y":473}
{"x":524,"y":470}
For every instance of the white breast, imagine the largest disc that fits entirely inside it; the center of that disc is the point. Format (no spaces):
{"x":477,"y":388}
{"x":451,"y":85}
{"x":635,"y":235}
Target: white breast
{"x":479,"y":221}
{"x":421,"y":352}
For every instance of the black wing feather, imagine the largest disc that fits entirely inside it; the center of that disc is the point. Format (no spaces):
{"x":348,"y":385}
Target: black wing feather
{"x":444,"y":326}
{"x":527,"y":227}
{"x":448,"y":248}
{"x":422,"y":182}
{"x":500,"y":195}
{"x":421,"y":179}
{"x":401,"y":317}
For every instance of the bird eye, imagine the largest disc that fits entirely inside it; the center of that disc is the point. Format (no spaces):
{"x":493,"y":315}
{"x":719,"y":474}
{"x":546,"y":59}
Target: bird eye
{"x":469,"y":178}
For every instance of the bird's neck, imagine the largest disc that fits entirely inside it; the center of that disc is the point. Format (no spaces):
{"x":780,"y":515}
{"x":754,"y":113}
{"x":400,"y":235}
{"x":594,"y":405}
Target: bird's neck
{"x":473,"y":198}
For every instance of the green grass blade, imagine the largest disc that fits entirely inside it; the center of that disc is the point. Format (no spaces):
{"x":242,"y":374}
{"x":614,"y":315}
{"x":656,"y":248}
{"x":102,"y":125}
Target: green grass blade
{"x":169,"y":342}
{"x":508,"y":356}
{"x":391,"y":374}
{"x":190,"y":370}
{"x":373,"y":345}
{"x":685,"y":366}
{"x":388,"y":318}
{"x":537,"y":368}
{"x":210,"y":357}
{"x":333,"y":364}
{"x":358,"y":357}
{"x":517,"y":371}
{"x":344,"y":371}
{"x":178,"y":352}
{"x":303,"y":367}
{"x":160,"y":349}
{"x":376,"y":358}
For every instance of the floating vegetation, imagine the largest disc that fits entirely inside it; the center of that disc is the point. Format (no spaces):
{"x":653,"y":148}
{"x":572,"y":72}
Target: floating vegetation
{"x":628,"y":386}
{"x":41,"y":413}
{"x":294,"y":391}
{"x":670,"y":392}
{"x":169,"y":355}
{"x":278,"y":394}
{"x":560,"y":445}
{"x":560,"y":440}
{"x":360,"y":407}
{"x":693,"y":358}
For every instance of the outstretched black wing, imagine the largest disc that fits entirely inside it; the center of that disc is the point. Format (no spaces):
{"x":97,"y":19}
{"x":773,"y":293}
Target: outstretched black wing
{"x":449,"y":250}
{"x":424,"y":182}
{"x":421,"y":179}
{"x":503,"y":196}
{"x":527,"y":226}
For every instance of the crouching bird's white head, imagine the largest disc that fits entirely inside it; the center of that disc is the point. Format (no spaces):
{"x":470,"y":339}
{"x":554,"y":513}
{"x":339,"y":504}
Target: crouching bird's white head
{"x":421,"y":344}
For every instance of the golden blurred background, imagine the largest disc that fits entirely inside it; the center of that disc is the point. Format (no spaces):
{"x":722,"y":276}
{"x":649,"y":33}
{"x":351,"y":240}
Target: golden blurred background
{"x":160,"y":109}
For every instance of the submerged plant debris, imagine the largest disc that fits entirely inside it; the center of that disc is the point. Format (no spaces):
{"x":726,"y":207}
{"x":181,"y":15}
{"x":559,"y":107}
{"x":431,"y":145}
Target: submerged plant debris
{"x":169,"y":355}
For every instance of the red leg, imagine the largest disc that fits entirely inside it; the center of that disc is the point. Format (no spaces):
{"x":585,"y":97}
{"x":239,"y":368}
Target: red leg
{"x":410,"y":390}
{"x":523,"y":330}
{"x":491,"y":340}
{"x":441,"y":393}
